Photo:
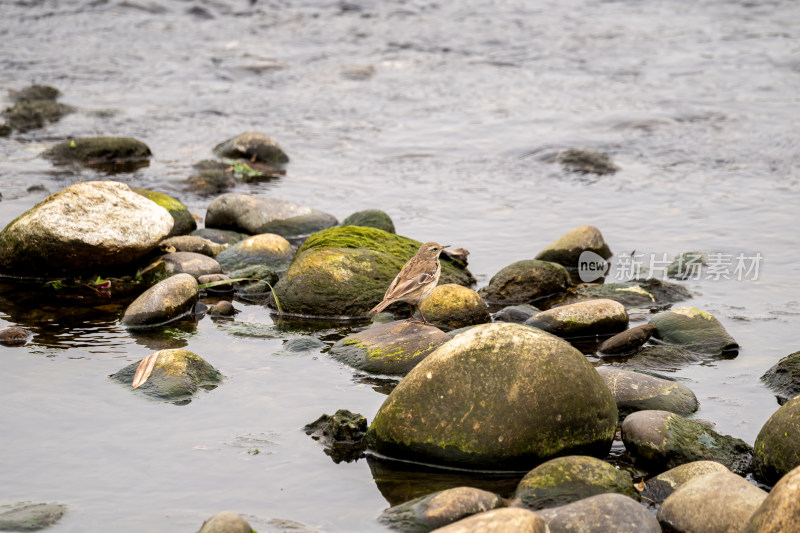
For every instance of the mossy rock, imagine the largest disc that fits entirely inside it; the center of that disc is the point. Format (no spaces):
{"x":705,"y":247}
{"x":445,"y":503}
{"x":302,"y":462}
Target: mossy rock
{"x":390,"y":349}
{"x":568,"y":479}
{"x":779,"y":511}
{"x":370,"y":218}
{"x":253,"y":146}
{"x":176,"y":376}
{"x":164,"y":302}
{"x":658,"y":488}
{"x":27,"y":115}
{"x":647,"y":293}
{"x":568,"y":248}
{"x":694,"y":330}
{"x":661,"y":439}
{"x":497,"y":396}
{"x":590,"y":318}
{"x":634,"y":391}
{"x":687,"y":265}
{"x":453,"y":306}
{"x":265,"y":249}
{"x":661,"y":358}
{"x":345,"y":271}
{"x":777,"y":448}
{"x":184,"y":221}
{"x":31,"y":516}
{"x":429,"y":512}
{"x":526,"y":281}
{"x":784,"y":378}
{"x":35,"y":92}
{"x":109,"y":153}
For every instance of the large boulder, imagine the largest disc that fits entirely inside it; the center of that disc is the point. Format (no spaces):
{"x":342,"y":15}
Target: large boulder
{"x":497,"y":396}
{"x":526,"y":281}
{"x":164,"y":302}
{"x":391,"y":349}
{"x":784,"y":377}
{"x":255,"y":214}
{"x":184,"y":221}
{"x":719,"y":502}
{"x":568,"y":479}
{"x":694,"y":330}
{"x":601,"y":513}
{"x":89,"y":225}
{"x":779,"y":511}
{"x":661,"y":439}
{"x":777,"y":448}
{"x":568,"y":248}
{"x":345,"y":271}
{"x":454,"y":306}
{"x":634,"y":391}
{"x":593,"y":317}
{"x":439,"y":509}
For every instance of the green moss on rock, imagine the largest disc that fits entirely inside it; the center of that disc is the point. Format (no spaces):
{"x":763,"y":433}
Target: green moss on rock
{"x":184,"y":221}
{"x":114,"y":153}
{"x":777,"y":450}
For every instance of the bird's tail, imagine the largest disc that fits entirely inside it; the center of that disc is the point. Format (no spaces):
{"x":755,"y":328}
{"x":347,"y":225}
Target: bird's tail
{"x":380,"y":307}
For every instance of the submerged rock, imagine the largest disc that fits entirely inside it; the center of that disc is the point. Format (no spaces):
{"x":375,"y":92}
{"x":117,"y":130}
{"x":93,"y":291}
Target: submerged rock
{"x":13,"y":336}
{"x":626,"y":343}
{"x":527,"y":281}
{"x":498,"y":521}
{"x":302,"y":345}
{"x":454,"y":306}
{"x":259,"y":289}
{"x":265,"y":249}
{"x":32,"y":516}
{"x":226,"y":522}
{"x":516,"y":313}
{"x":176,"y":375}
{"x":164,"y":302}
{"x":784,"y":378}
{"x":191,"y":263}
{"x":586,"y":162}
{"x":253,"y":146}
{"x":87,"y":225}
{"x":35,"y":107}
{"x":634,"y":391}
{"x":649,"y":293}
{"x":658,"y":488}
{"x":113,"y":153}
{"x":779,"y":511}
{"x":426,"y":513}
{"x":601,"y":513}
{"x":497,"y":396}
{"x":776,"y":450}
{"x":341,"y":434}
{"x":345,"y":271}
{"x":191,"y":243}
{"x":370,"y":218}
{"x":687,"y":265}
{"x":662,"y":358}
{"x":694,"y":330}
{"x":568,"y":479}
{"x":255,"y":215}
{"x":593,"y":317}
{"x":661,"y":439}
{"x":567,"y":249}
{"x":223,"y":308}
{"x":184,"y":221}
{"x":391,"y":349}
{"x":718,"y":502}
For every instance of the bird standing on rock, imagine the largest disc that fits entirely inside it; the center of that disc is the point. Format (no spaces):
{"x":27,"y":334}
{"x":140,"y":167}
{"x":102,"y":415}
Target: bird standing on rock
{"x":416,"y":280}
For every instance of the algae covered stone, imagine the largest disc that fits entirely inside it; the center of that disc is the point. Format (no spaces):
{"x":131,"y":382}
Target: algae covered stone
{"x":391,"y":349}
{"x":593,"y":317}
{"x":226,"y":522}
{"x":777,"y":448}
{"x":650,"y":293}
{"x":345,"y":271}
{"x":454,"y":306}
{"x":694,"y":330}
{"x":164,"y":302}
{"x":568,"y":248}
{"x":439,"y":509}
{"x":784,"y":377}
{"x":266,"y":249}
{"x":662,"y":439}
{"x":113,"y":153}
{"x":370,"y":218}
{"x":88,"y":225}
{"x":634,"y":391}
{"x":497,"y":396}
{"x":176,"y":376}
{"x":184,"y":221}
{"x":568,"y":479}
{"x":526,"y":281}
{"x":31,"y":516}
{"x":253,"y":146}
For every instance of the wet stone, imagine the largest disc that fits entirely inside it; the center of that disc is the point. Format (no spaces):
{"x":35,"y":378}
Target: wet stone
{"x":258,"y":288}
{"x":429,"y":512}
{"x":31,"y":517}
{"x":223,"y":308}
{"x":111,"y":153}
{"x":389,"y":349}
{"x":586,"y":162}
{"x":253,"y":146}
{"x":516,"y":313}
{"x":164,"y":302}
{"x":342,"y":434}
{"x":220,"y":236}
{"x":687,"y":265}
{"x":658,"y":488}
{"x":600,"y":513}
{"x":191,"y":243}
{"x":568,"y":479}
{"x":498,"y":521}
{"x":567,"y":249}
{"x":663,"y":440}
{"x":776,"y":450}
{"x":527,"y":281}
{"x":184,"y":221}
{"x":718,"y":502}
{"x":302,"y":345}
{"x":191,"y":263}
{"x":634,"y":391}
{"x":593,"y":317}
{"x":626,"y":343}
{"x":265,"y":249}
{"x":646,"y":293}
{"x":211,"y":181}
{"x":694,"y":330}
{"x":662,"y":358}
{"x":784,"y":378}
{"x":779,"y":511}
{"x":226,"y":522}
{"x":454,"y":306}
{"x":13,"y":336}
{"x":370,"y":218}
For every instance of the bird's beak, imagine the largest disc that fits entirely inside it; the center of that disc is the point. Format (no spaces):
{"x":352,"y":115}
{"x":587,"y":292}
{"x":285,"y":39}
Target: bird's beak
{"x":445,"y":246}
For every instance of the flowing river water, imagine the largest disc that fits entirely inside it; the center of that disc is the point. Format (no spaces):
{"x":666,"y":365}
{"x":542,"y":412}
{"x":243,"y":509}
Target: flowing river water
{"x":446,"y":116}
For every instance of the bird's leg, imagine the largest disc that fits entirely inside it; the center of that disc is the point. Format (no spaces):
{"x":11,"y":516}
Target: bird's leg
{"x":420,"y":314}
{"x":411,"y":311}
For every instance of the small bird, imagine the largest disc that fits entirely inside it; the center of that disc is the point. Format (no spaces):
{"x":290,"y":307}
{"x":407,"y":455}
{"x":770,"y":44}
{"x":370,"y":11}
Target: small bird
{"x":416,"y":280}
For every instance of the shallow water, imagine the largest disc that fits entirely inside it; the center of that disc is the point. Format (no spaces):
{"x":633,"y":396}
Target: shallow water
{"x":695,"y":101}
